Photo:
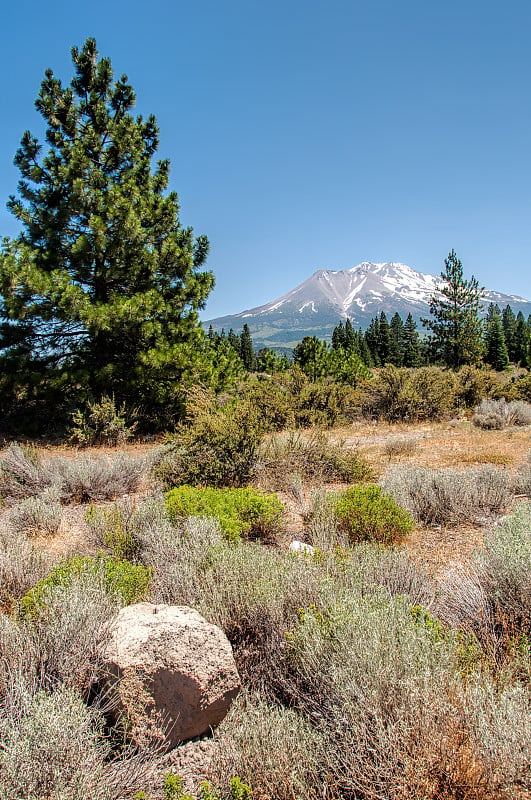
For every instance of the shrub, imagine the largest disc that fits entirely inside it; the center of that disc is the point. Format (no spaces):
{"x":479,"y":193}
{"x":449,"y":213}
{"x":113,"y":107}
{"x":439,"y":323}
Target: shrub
{"x":271,"y":397}
{"x":21,"y":566}
{"x":447,"y":496}
{"x":115,"y":527}
{"x":240,"y":512}
{"x":217,"y":446}
{"x":411,"y":395}
{"x":498,"y":414}
{"x":400,"y":446}
{"x":274,"y":749}
{"x":121,"y":578}
{"x":365,"y":513}
{"x":523,"y":387}
{"x":313,"y":457}
{"x":42,"y":514}
{"x":377,"y":688}
{"x":521,"y":483}
{"x":101,"y":423}
{"x":491,"y":597}
{"x":52,"y":747}
{"x":83,"y":478}
{"x":25,"y":474}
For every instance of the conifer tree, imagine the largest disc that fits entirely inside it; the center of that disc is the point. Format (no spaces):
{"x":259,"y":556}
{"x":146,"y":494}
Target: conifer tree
{"x":495,"y":347}
{"x":101,"y":290}
{"x":522,"y":341}
{"x":455,"y":323}
{"x":338,"y":336}
{"x":509,"y":331}
{"x":372,"y":337}
{"x":350,"y":336}
{"x":396,"y":340}
{"x":412,"y":352}
{"x":384,"y":339}
{"x":247,"y":353}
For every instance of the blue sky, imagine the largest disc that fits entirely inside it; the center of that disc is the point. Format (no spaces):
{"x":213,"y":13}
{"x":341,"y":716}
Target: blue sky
{"x":306,"y":134}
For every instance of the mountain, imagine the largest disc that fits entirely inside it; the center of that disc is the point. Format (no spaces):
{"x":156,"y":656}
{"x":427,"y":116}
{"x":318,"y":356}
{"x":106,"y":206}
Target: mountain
{"x":316,"y":306}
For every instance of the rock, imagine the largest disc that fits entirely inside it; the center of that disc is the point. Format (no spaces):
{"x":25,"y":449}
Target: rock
{"x":301,"y":547}
{"x":171,"y":673}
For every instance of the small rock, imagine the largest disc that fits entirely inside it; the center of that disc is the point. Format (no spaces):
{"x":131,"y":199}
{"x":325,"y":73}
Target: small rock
{"x":301,"y":547}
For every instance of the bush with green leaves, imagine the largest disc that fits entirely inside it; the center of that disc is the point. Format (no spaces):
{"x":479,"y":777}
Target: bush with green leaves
{"x":115,"y":527}
{"x":174,"y":790}
{"x":103,"y":423}
{"x":366,"y":513}
{"x":240,"y":512}
{"x":216,"y":446}
{"x":409,"y":395}
{"x":129,"y":582}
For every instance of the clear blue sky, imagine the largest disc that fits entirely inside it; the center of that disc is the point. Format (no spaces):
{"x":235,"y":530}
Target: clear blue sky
{"x":305,"y":134}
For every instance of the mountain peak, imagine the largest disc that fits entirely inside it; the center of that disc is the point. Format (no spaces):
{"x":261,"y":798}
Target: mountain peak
{"x":316,"y":306}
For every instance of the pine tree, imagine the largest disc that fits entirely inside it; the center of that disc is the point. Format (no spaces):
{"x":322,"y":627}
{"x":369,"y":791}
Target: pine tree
{"x":495,"y":347}
{"x":338,"y":336}
{"x":247,"y":353}
{"x":234,"y":341}
{"x":372,"y":337}
{"x":101,"y":290}
{"x":521,"y":341}
{"x":350,"y":336}
{"x":311,"y":356}
{"x":396,"y":341}
{"x":384,"y":339}
{"x":509,"y":330}
{"x":412,"y":352}
{"x":455,"y":323}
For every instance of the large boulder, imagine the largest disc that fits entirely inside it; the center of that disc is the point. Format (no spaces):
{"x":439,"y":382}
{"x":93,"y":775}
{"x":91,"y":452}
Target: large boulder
{"x":169,"y":672}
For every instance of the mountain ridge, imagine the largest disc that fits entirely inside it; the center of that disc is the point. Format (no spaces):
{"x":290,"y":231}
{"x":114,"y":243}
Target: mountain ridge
{"x":315,"y":306}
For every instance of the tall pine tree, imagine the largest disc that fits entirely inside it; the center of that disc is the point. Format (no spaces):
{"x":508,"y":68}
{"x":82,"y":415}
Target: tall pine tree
{"x":101,"y":290}
{"x":455,"y":323}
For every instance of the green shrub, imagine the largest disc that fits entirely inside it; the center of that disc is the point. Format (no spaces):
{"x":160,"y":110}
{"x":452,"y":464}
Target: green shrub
{"x":240,"y":512}
{"x":217,"y":446}
{"x":115,"y":528}
{"x":121,"y":578}
{"x":399,"y":395}
{"x":101,"y":423}
{"x":367,"y":514}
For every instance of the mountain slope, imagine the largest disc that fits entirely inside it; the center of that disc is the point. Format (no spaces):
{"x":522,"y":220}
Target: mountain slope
{"x":316,"y":306}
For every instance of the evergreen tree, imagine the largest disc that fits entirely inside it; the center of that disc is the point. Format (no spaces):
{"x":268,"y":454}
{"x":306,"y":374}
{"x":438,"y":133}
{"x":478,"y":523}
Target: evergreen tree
{"x":247,"y":354}
{"x":372,"y":338}
{"x":509,"y":331}
{"x":311,"y":357}
{"x":384,"y":339}
{"x":234,"y":341}
{"x":522,"y":341}
{"x":101,"y":290}
{"x":495,"y":347}
{"x":396,"y":340}
{"x":411,"y":353}
{"x":455,"y":323}
{"x":350,"y":336}
{"x":363,"y":349}
{"x":338,"y":336}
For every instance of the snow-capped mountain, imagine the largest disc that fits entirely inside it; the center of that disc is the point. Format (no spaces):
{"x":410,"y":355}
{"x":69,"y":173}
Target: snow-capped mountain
{"x":317,"y":305}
